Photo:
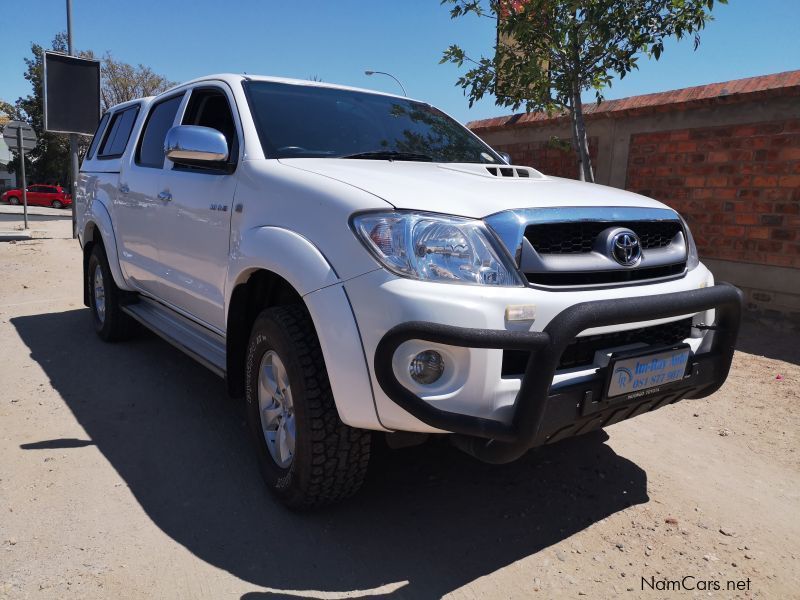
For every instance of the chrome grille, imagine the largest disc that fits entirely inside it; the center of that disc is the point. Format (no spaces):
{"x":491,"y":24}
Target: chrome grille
{"x":572,"y":246}
{"x":578,"y":237}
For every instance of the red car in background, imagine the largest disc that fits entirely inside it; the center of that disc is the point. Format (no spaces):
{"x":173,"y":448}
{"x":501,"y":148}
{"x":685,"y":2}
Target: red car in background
{"x":40,"y":195}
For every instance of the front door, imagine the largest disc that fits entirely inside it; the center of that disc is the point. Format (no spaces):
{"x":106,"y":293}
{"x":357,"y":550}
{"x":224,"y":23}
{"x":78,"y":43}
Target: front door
{"x":36,"y":195}
{"x":198,"y":214}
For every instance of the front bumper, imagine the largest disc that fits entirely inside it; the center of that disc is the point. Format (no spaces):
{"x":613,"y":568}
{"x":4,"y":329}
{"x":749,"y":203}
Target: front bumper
{"x":541,"y":414}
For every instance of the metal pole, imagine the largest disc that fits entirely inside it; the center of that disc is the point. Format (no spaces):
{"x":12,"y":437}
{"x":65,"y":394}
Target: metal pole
{"x":73,"y":137}
{"x":75,"y":169}
{"x":69,"y":26}
{"x":24,"y":181}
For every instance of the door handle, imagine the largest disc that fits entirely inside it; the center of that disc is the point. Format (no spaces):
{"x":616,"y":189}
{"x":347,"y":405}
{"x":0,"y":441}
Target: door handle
{"x":123,"y":188}
{"x":166,"y":196}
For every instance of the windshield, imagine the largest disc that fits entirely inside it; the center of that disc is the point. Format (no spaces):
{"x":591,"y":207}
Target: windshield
{"x":300,"y":121}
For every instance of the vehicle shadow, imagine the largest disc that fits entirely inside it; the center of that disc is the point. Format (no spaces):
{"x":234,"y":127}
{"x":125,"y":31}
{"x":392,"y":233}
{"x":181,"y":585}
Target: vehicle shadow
{"x":429,"y":520}
{"x":756,"y":338}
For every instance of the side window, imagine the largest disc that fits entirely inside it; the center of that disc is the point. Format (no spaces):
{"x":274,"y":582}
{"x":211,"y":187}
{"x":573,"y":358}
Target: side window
{"x":119,"y":131}
{"x":150,"y":152}
{"x":35,"y":188}
{"x":98,"y":135}
{"x":208,"y":107}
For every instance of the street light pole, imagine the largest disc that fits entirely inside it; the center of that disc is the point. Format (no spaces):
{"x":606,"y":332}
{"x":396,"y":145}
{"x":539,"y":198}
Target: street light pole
{"x":73,"y":137}
{"x":388,"y":75}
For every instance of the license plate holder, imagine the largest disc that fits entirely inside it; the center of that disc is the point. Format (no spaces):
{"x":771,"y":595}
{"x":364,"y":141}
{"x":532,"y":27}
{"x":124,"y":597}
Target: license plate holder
{"x":640,"y":373}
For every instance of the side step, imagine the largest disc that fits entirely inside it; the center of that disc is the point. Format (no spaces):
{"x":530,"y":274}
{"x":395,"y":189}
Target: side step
{"x":206,"y":347}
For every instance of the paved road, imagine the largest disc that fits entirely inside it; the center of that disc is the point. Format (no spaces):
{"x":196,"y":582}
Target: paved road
{"x":33,"y":219}
{"x":126,"y":473}
{"x":42,"y":221}
{"x":35,"y":211}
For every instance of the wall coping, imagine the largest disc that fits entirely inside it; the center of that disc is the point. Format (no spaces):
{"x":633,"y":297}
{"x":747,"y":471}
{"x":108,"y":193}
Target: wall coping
{"x":726,"y":92}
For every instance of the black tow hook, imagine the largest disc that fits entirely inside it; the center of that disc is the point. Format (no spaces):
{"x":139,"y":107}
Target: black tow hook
{"x":704,"y":327}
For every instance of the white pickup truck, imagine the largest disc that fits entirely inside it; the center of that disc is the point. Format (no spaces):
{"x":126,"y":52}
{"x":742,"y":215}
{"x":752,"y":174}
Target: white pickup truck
{"x":354,"y":262}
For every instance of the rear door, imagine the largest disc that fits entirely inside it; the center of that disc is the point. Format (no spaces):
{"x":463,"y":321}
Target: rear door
{"x":197,"y":217}
{"x":138,"y":210}
{"x":50,"y":194}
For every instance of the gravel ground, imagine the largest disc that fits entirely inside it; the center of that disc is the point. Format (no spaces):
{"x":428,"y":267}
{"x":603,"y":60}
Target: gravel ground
{"x":126,"y":473}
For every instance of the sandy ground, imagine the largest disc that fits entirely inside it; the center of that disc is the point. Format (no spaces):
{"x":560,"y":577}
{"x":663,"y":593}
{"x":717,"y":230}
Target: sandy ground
{"x":125,"y":472}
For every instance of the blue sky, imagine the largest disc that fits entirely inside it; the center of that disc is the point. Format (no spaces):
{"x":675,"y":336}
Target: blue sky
{"x":338,"y":40}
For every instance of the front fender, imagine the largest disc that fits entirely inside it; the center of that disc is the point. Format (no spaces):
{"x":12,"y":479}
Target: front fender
{"x":298,"y":261}
{"x":285,"y":253}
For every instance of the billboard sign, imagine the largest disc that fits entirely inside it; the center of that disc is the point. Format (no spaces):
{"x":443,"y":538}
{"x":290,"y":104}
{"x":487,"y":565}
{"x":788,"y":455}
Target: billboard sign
{"x":71,"y":94}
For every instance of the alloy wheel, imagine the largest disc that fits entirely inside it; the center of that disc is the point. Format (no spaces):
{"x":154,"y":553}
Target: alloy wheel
{"x":276,"y":409}
{"x":99,"y":295}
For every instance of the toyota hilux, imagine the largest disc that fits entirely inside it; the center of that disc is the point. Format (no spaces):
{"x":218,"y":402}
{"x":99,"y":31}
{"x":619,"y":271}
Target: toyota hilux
{"x":356,"y":264}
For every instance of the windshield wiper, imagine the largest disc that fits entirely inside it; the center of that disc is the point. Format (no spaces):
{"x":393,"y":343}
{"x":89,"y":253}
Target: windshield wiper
{"x":390,"y":155}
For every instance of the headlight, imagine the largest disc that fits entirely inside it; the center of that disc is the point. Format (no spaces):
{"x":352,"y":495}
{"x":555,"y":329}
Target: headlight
{"x":436,"y":248}
{"x":693,"y":258}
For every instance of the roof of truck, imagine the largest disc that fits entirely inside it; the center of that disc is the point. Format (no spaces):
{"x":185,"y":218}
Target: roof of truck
{"x":143,"y":100}
{"x":234,"y":78}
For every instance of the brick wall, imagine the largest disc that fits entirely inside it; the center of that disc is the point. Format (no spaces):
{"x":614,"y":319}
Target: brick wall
{"x":726,"y":155}
{"x":737,"y":186}
{"x":547,"y":156}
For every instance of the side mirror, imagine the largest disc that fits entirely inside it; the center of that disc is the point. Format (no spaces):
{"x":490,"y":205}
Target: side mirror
{"x":195,"y":145}
{"x":506,"y":157}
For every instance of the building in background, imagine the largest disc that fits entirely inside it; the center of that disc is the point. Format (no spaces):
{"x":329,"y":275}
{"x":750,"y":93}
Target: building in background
{"x":725,"y":155}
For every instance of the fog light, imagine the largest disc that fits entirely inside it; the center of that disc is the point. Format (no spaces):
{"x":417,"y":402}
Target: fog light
{"x":426,"y":367}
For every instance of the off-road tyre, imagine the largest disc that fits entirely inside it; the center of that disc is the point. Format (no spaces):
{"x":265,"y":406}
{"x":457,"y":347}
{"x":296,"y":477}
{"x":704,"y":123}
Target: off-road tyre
{"x":330,"y":459}
{"x":114,"y":325}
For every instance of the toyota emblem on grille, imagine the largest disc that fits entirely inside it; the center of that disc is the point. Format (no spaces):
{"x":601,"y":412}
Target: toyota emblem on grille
{"x":626,"y":249}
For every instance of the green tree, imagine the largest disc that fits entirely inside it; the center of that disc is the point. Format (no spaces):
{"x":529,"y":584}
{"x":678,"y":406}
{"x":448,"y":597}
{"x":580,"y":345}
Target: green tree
{"x":121,"y":82}
{"x":7,"y":109}
{"x":548,"y":52}
{"x":49,"y":160}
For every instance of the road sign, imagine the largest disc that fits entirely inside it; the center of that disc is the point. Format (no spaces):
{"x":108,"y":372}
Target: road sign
{"x":22,"y":138}
{"x":28,"y":135}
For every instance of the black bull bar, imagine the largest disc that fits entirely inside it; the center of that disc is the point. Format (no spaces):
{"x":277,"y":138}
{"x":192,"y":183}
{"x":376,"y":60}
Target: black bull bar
{"x":495,"y":441}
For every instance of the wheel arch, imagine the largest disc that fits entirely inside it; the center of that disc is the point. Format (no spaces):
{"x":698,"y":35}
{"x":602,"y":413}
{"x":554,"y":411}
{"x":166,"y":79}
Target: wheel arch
{"x":256,"y":290}
{"x":97,"y":228}
{"x":91,"y":236}
{"x":294,"y":261}
{"x":334,"y":322}
{"x":269,"y":266}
